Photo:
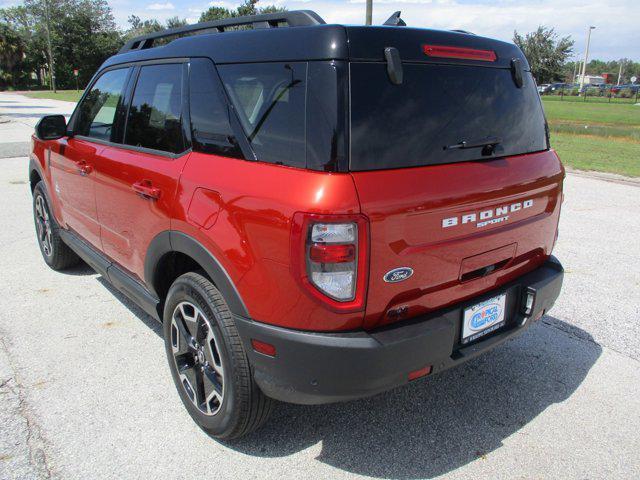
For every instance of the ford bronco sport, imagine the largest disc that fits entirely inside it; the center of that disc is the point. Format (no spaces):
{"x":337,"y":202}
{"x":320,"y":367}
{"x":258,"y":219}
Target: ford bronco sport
{"x":315,"y":213}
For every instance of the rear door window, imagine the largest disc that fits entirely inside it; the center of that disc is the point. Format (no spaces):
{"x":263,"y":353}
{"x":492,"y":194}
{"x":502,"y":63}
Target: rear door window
{"x":435,"y":109}
{"x":210,"y":123}
{"x":270,"y":101}
{"x":155,"y":114}
{"x":97,"y":111}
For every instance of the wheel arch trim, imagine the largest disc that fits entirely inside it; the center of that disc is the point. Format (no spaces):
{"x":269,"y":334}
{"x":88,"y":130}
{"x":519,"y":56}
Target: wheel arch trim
{"x":35,"y":167}
{"x":175,"y":241}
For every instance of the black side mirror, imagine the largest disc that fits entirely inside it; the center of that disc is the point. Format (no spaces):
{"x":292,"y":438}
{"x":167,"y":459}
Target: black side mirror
{"x":51,"y":127}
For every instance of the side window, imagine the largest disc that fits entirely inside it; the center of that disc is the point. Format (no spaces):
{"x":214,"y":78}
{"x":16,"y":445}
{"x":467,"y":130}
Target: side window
{"x":210,"y":127}
{"x":155,"y":115}
{"x":270,"y":101}
{"x":97,"y":112}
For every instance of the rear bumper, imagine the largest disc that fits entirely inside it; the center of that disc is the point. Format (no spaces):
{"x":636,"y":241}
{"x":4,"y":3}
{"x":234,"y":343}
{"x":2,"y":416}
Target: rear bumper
{"x":315,"y":368}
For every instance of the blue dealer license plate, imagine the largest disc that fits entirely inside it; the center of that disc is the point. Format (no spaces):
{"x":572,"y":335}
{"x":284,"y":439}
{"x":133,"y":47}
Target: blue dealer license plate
{"x":483,"y":318}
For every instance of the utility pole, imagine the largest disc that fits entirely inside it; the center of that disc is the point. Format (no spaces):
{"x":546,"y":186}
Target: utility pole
{"x":369,"y":12}
{"x":575,"y":69}
{"x":586,"y":56}
{"x":52,"y":67}
{"x":620,"y":72}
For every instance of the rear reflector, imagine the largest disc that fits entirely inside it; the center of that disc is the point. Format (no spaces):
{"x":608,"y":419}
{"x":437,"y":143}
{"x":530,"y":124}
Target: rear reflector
{"x":320,"y":253}
{"x":459,"y":52}
{"x":263,"y":347}
{"x":420,"y":373}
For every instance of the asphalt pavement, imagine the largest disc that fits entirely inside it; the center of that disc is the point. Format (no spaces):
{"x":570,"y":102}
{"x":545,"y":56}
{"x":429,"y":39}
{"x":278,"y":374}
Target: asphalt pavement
{"x":85,"y":391}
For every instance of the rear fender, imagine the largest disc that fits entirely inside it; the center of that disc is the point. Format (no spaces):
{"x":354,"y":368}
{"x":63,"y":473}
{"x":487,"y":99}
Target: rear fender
{"x":174,"y":241}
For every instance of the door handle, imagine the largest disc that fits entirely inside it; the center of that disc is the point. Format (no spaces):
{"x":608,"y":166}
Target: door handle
{"x":84,"y":168}
{"x":145,"y":189}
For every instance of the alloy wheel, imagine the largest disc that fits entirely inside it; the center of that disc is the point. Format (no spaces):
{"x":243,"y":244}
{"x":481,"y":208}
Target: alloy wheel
{"x":197,"y":358}
{"x":43,"y":226}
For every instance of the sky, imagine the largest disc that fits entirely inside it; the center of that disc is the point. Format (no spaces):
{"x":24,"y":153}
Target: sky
{"x":617,"y":33}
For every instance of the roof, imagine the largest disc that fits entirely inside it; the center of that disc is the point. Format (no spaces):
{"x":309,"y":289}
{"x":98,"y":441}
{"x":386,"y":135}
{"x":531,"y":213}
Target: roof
{"x":319,"y":42}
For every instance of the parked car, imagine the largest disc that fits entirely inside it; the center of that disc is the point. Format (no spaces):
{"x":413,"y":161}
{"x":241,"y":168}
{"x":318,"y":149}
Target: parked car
{"x":633,"y":88}
{"x":316,"y":213}
{"x":544,"y":88}
{"x":555,"y":87}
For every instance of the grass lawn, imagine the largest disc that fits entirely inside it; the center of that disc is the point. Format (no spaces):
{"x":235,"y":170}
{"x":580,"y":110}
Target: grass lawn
{"x":596,"y":153}
{"x":66,"y":95}
{"x":596,"y":136}
{"x":592,"y":113}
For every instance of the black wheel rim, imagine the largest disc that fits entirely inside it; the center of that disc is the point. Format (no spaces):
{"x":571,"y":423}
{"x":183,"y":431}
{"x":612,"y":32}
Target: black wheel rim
{"x":197,"y":358}
{"x":43,"y":226}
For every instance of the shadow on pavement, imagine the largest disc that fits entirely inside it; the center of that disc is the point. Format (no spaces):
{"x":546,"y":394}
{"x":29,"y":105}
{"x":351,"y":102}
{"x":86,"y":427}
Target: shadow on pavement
{"x":80,"y":270}
{"x":442,"y":423}
{"x":29,"y":106}
{"x":437,"y":424}
{"x":30,"y":114}
{"x":148,"y":320}
{"x":83,"y":269}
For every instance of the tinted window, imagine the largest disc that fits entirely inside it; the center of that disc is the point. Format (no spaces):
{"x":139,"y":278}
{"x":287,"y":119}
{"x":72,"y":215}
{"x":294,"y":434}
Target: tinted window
{"x":97,"y":112}
{"x":438,"y":106}
{"x":270,"y":101}
{"x":155,"y":115}
{"x":327,"y":121}
{"x":210,"y":126}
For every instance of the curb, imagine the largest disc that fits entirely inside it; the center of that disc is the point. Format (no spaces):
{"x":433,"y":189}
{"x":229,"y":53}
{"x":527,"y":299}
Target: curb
{"x":607,"y":177}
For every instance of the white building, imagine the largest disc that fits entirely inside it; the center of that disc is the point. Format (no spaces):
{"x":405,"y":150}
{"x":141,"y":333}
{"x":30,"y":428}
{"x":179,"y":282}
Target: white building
{"x":591,"y":79}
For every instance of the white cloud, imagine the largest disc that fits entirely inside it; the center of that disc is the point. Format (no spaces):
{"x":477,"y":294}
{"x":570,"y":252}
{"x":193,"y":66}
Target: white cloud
{"x":161,"y":6}
{"x":221,"y":4}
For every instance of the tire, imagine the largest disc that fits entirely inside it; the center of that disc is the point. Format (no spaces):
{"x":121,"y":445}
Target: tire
{"x":55,"y":252}
{"x":208,"y":363}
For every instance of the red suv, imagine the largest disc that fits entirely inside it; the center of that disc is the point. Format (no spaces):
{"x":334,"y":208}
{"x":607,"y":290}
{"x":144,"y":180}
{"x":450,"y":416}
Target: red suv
{"x":316,"y":213}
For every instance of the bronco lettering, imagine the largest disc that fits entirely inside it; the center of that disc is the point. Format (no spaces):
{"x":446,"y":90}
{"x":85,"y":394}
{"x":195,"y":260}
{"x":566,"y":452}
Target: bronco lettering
{"x":489,"y":217}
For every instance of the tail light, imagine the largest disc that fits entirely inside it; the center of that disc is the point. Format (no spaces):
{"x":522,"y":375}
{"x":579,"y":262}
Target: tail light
{"x":329,"y":258}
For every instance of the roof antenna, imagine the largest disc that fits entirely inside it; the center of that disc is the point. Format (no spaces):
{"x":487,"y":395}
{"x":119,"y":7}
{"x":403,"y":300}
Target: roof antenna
{"x":395,"y":20}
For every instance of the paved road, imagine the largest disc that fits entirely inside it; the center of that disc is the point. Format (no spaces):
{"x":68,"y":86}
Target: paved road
{"x":85,"y":391}
{"x":18,"y":116}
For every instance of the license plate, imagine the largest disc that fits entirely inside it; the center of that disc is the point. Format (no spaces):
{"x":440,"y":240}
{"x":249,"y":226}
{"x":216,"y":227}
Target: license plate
{"x":483,"y":318}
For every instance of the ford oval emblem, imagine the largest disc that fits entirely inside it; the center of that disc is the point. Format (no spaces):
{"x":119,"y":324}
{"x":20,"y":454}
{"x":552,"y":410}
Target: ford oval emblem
{"x":398,"y":274}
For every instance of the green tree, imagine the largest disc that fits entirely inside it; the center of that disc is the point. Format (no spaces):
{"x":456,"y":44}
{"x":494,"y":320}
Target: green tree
{"x":12,"y":50}
{"x":175,"y":22}
{"x":141,"y":27}
{"x":83,"y":34}
{"x":24,"y":23}
{"x":249,"y":7}
{"x":546,"y":53}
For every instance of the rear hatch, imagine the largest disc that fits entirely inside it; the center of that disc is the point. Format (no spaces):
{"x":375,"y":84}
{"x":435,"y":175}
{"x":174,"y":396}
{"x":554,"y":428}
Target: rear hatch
{"x":452,"y":167}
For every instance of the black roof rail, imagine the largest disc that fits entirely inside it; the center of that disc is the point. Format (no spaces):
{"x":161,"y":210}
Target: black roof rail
{"x":463,"y":31}
{"x":294,"y":18}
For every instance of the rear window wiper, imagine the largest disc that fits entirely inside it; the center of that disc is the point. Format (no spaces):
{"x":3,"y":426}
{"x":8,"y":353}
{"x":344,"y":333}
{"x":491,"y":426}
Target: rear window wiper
{"x":483,"y":142}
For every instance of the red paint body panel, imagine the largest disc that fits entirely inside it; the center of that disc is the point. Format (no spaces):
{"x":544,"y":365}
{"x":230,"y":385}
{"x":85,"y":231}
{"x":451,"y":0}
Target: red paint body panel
{"x":130,"y":221}
{"x":73,"y":185}
{"x":406,"y":208}
{"x":251,"y":236}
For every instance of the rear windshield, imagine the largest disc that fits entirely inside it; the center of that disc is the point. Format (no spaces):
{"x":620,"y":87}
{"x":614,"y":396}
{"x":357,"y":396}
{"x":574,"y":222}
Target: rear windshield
{"x":424,"y":120}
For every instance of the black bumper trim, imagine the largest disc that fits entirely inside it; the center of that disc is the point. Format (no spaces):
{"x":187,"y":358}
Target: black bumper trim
{"x":315,"y":368}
